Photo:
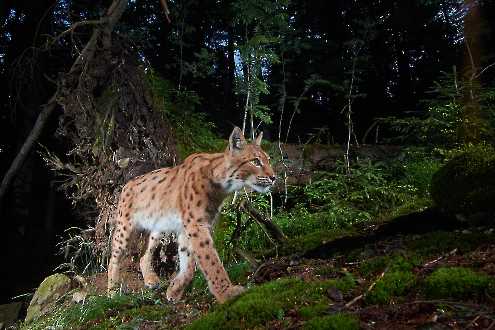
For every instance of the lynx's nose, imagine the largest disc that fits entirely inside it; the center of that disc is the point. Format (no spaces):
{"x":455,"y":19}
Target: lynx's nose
{"x":273,"y":178}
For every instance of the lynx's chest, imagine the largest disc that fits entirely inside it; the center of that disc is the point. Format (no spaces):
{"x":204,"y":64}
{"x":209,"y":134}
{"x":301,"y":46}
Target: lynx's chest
{"x":169,"y":221}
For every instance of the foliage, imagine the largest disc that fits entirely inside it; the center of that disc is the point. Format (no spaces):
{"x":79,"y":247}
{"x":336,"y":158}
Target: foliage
{"x":192,"y":130}
{"x":415,"y":167}
{"x":437,"y":127}
{"x":445,"y":118}
{"x":262,"y":23}
{"x":397,"y":280}
{"x":456,"y":282}
{"x":466,"y":184}
{"x":270,"y":301}
{"x":330,"y":205}
{"x":393,"y":284}
{"x":80,"y":252}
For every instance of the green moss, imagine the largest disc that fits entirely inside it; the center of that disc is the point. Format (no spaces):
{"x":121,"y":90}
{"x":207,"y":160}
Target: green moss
{"x":309,"y":312}
{"x":373,"y":266}
{"x":50,"y":290}
{"x":337,"y":321}
{"x":271,"y":301}
{"x":394,"y":283}
{"x":466,"y":184}
{"x":303,"y":243}
{"x":456,"y":282}
{"x":238,"y":273}
{"x":438,"y":242}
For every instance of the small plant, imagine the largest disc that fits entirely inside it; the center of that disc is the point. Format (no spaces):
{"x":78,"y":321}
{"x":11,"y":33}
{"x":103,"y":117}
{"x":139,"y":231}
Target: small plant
{"x":397,"y":280}
{"x":80,"y":252}
{"x":456,"y":282}
{"x":393,"y":284}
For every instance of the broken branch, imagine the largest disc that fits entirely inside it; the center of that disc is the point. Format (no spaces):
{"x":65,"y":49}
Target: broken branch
{"x":273,"y":230}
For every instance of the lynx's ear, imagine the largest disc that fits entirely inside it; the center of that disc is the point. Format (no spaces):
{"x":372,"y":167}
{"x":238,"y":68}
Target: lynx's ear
{"x":257,"y":141}
{"x":236,"y":140}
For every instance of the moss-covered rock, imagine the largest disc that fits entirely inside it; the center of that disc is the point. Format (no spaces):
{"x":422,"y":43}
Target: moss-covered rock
{"x":50,"y":291}
{"x":456,"y":282}
{"x":466,"y":184}
{"x":272,"y":301}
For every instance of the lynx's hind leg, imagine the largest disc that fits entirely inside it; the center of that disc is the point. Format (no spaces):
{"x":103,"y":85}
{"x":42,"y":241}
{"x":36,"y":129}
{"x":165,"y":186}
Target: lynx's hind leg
{"x":120,"y":240}
{"x":186,"y":270}
{"x":151,"y":279}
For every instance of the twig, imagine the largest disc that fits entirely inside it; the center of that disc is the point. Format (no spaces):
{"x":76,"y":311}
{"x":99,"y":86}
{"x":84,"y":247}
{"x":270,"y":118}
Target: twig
{"x":249,"y":258}
{"x":473,"y":322}
{"x":483,"y":71}
{"x":76,"y":25}
{"x":166,"y":11}
{"x":274,"y":230}
{"x":361,"y":296}
{"x":428,"y":264}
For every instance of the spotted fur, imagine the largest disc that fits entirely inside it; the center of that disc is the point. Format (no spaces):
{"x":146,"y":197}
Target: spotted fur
{"x":186,"y":200}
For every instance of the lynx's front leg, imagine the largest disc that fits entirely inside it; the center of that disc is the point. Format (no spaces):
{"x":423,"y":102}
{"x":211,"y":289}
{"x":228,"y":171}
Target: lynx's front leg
{"x":201,"y":243}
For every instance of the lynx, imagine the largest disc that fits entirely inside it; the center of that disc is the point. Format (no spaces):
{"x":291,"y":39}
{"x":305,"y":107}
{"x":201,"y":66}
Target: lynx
{"x":186,"y":200}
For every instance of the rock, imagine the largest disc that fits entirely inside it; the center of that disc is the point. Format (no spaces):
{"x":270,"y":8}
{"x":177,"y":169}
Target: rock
{"x":79,"y":296}
{"x":48,"y":293}
{"x":123,"y":163}
{"x":335,"y":294}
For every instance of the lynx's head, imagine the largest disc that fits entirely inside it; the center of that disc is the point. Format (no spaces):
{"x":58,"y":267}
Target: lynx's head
{"x":248,"y":164}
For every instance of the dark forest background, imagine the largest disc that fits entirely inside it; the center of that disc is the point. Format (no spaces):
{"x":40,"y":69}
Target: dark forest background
{"x":302,"y":65}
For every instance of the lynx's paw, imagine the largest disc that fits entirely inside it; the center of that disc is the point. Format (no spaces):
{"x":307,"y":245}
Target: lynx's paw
{"x":232,"y":292}
{"x":152,"y":282}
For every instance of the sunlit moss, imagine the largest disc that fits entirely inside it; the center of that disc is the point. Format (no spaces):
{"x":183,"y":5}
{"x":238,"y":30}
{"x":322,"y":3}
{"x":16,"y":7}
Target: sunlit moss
{"x":272,"y":301}
{"x":456,"y":282}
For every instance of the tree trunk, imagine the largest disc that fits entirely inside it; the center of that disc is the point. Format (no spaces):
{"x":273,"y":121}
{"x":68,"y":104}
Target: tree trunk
{"x":472,"y":121}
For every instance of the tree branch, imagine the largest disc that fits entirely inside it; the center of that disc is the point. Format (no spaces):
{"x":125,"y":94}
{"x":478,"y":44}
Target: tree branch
{"x":271,"y":228}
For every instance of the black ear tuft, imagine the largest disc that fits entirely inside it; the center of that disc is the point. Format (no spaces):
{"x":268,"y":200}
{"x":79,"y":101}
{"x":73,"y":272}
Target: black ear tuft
{"x":236,"y":140}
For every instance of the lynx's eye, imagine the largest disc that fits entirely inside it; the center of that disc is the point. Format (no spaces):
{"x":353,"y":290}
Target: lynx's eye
{"x":256,"y":162}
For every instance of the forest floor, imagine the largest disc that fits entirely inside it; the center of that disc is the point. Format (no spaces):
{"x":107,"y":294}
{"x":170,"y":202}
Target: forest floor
{"x":414,"y":272}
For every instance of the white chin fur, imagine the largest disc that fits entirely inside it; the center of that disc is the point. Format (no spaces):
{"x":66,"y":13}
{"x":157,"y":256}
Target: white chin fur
{"x":260,"y":189}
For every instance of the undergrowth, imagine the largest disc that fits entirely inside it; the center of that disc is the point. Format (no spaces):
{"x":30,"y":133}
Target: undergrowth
{"x":102,"y":312}
{"x":333,"y":203}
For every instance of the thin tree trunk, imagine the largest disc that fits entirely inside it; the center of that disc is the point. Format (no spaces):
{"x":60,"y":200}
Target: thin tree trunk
{"x":26,"y":147}
{"x":281,"y":106}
